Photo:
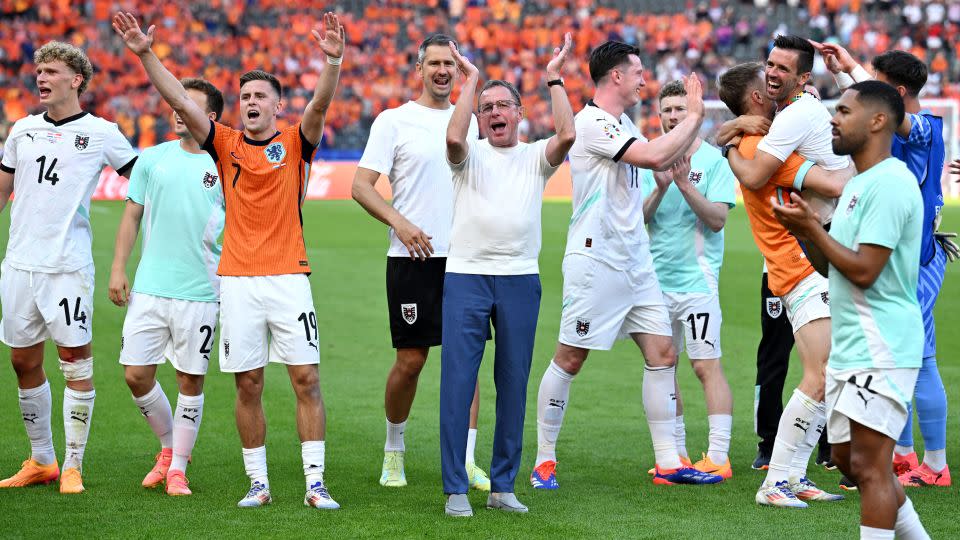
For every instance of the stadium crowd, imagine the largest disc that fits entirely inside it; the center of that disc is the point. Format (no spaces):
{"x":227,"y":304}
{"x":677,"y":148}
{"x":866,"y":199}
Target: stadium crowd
{"x":507,"y":39}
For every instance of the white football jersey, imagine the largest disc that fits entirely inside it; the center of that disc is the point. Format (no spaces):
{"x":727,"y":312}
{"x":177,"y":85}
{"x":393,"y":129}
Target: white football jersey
{"x":607,"y":221}
{"x":56,"y":167}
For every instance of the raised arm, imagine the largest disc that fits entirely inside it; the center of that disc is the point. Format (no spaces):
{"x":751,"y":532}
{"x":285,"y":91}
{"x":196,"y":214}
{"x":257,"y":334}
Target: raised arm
{"x":459,"y":124}
{"x":196,"y":120}
{"x":330,"y":41}
{"x":662,"y":152}
{"x":126,"y":238}
{"x":827,"y":183}
{"x":742,"y":125}
{"x":560,"y":143}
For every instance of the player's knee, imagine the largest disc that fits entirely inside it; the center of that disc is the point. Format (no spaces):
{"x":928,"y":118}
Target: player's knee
{"x":707,"y":370}
{"x":864,"y":469}
{"x":664,"y":356}
{"x":249,"y":388}
{"x":190,"y":385}
{"x":570,"y":359}
{"x":25,"y":361}
{"x":139,"y":383}
{"x":306,"y":383}
{"x":77,"y":369}
{"x":410,"y":364}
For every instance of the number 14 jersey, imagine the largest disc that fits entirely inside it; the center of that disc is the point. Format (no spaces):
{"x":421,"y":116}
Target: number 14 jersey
{"x":56,"y":167}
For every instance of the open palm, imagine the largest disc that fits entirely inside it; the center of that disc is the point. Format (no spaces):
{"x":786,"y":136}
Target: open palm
{"x":127,"y":27}
{"x":330,"y":39}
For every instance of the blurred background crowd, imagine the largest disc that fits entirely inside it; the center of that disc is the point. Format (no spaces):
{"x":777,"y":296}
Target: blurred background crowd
{"x":507,"y":39}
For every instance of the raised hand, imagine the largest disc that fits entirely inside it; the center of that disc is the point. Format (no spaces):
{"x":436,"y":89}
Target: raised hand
{"x":836,"y":57}
{"x":796,"y":215}
{"x":663,"y":179}
{"x":127,"y":27}
{"x":954,"y":167}
{"x":330,"y":39}
{"x":691,"y":83}
{"x":753,"y":124}
{"x":463,"y":65}
{"x":559,"y":57}
{"x":680,"y":171}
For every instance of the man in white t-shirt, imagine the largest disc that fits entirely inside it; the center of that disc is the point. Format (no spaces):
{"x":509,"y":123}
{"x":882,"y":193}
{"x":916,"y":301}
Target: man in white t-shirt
{"x":53,"y":162}
{"x":405,"y":146}
{"x":610,"y":287}
{"x":492,"y":270}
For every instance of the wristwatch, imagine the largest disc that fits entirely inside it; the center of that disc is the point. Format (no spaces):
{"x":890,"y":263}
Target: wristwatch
{"x":555,"y":82}
{"x":725,"y":149}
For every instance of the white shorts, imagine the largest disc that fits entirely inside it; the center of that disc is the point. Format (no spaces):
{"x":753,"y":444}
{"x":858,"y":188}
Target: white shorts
{"x":37,"y":306}
{"x":181,"y":330}
{"x":808,"y":301}
{"x":875,"y":398}
{"x":267,"y":318}
{"x":602,"y":304}
{"x":696,"y":320}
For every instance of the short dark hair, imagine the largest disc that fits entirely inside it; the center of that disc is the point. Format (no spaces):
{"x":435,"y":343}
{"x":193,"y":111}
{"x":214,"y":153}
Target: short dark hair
{"x":881,"y":93}
{"x":214,"y":96}
{"x":260,"y":75}
{"x":902,"y":69}
{"x":804,"y":49}
{"x":435,"y":39}
{"x":734,"y":85}
{"x":672,"y":89}
{"x":497,"y":82}
{"x":608,"y":56}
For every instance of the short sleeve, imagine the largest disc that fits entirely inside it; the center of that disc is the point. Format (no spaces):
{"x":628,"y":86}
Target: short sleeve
{"x":117,"y":151}
{"x":605,"y":137}
{"x":8,"y":163}
{"x":379,"y":152}
{"x":137,"y":188}
{"x":884,"y":216}
{"x":785,"y":135}
{"x":471,"y":150}
{"x":921,"y":132}
{"x":545,"y":167}
{"x":721,"y":188}
{"x":217,"y":140}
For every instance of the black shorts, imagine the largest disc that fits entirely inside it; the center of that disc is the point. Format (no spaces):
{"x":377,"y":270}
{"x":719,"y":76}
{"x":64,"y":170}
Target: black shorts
{"x":415,"y":301}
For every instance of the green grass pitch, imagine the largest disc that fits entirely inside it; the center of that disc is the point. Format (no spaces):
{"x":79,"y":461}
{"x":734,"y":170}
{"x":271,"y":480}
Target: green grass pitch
{"x":604,"y":450}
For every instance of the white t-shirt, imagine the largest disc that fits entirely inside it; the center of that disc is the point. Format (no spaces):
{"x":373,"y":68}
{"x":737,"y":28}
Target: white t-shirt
{"x":607,"y":220}
{"x":498,"y":196}
{"x":56,"y":166}
{"x":408,"y":144}
{"x":803,"y":127}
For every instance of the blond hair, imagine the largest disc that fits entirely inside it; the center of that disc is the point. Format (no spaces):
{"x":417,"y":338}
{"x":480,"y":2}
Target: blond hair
{"x":72,"y":56}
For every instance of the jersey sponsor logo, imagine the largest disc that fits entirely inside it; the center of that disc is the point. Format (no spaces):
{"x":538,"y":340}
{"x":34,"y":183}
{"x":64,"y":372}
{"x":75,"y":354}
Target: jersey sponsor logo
{"x":853,"y":203}
{"x":825,"y":297}
{"x":774,"y":307}
{"x":583,"y":326}
{"x":81,"y":142}
{"x":409,"y":312}
{"x":54,"y":137}
{"x":209,"y":180}
{"x":275,"y":152}
{"x":695,"y":177}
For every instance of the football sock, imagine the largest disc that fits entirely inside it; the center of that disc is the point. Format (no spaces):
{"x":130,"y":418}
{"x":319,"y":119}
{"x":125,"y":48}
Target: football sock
{"x":797,"y":418}
{"x":395,"y":437}
{"x":935,"y":459}
{"x":551,"y":404}
{"x":313,"y":453}
{"x":255,"y":464}
{"x":660,"y":405}
{"x":35,"y":406}
{"x":680,"y":437}
{"x":908,"y":525}
{"x":719,"y":438}
{"x":155,"y":407}
{"x":903,"y":450}
{"x":870,"y":533}
{"x":471,"y":445}
{"x":801,"y":458}
{"x":931,"y":404}
{"x":186,"y":425}
{"x":77,"y":414}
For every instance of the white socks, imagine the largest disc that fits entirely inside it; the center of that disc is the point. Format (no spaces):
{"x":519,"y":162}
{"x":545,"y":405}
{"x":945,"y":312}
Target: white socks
{"x":395,"y":437}
{"x":186,"y":425}
{"x":313,"y":453}
{"x":35,"y":406}
{"x":908,"y":525}
{"x":660,"y":405}
{"x":719,"y":438}
{"x":870,"y":533}
{"x":255,"y":464}
{"x":903,"y":450}
{"x":798,"y":417}
{"x":77,"y":413}
{"x":471,"y":445}
{"x":801,"y":459}
{"x":935,"y":459}
{"x":551,"y":404}
{"x":155,"y":407}
{"x":680,"y":437}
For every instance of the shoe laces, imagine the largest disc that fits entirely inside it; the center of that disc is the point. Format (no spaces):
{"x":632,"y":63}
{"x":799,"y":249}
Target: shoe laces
{"x":784,"y":487}
{"x":320,"y":490}
{"x":393,"y":460}
{"x":255,"y":489}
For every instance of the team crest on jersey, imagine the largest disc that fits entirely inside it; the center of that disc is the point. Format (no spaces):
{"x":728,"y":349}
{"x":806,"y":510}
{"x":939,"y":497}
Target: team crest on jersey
{"x":695,"y":177}
{"x":275,"y":152}
{"x":409,"y":312}
{"x":853,"y":203}
{"x":583,"y":326}
{"x":611,"y":130}
{"x":825,"y":297}
{"x":81,"y":142}
{"x":209,"y":180}
{"x":774,"y":307}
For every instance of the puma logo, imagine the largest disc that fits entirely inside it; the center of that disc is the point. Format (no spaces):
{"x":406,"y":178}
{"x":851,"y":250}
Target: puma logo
{"x":82,"y":327}
{"x":710,"y":344}
{"x":31,"y":135}
{"x":78,"y":419}
{"x":864,"y":398}
{"x":801,"y":424}
{"x":559,"y":403}
{"x":191,"y":418}
{"x":866,"y":386}
{"x":31,"y":419}
{"x":312,"y":345}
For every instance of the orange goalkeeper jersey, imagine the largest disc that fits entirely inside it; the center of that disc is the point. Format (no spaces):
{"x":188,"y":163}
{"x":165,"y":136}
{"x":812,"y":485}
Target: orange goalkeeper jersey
{"x":787,"y":264}
{"x":264,"y":183}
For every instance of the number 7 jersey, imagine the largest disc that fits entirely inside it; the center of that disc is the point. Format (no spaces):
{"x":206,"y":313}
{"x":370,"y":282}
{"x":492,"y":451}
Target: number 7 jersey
{"x":56,"y":166}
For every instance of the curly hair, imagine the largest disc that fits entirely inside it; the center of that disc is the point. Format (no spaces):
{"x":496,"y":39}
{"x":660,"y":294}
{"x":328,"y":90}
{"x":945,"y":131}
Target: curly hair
{"x":72,"y":56}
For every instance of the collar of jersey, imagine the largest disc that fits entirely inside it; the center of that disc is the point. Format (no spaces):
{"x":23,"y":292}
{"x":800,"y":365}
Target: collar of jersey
{"x":66,"y":120}
{"x":265,"y":142}
{"x":592,"y":104}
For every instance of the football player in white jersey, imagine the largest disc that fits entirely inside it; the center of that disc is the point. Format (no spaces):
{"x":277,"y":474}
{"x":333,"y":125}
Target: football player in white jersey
{"x":610,"y":288}
{"x":53,"y":161}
